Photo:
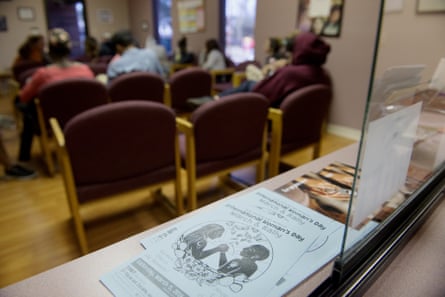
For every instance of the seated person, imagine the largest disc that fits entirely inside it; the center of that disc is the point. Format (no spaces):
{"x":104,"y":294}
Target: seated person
{"x":182,"y":55}
{"x":32,"y":50}
{"x":160,"y":51}
{"x":132,"y":58}
{"x":106,"y":47}
{"x":59,"y":44}
{"x":213,"y":58}
{"x":277,"y":57}
{"x":91,"y":53}
{"x":308,"y":56}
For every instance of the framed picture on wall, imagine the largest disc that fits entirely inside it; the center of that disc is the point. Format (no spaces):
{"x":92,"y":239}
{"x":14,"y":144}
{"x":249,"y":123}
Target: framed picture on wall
{"x":26,"y":13}
{"x":322,"y":17}
{"x":104,"y":16}
{"x":3,"y":24}
{"x":429,"y":6}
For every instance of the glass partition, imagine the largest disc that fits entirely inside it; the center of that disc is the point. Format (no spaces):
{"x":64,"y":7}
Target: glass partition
{"x":399,"y":170}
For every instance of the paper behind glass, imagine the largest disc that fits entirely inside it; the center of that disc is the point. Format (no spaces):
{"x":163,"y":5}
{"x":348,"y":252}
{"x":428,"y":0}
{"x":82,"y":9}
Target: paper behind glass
{"x":319,"y":8}
{"x":387,"y":154}
{"x":438,"y":79}
{"x":243,"y":246}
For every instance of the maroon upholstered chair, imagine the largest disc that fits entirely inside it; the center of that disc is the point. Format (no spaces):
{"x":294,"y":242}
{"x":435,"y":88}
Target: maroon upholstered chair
{"x":25,"y":75}
{"x":97,"y":67}
{"x":224,"y":135}
{"x":21,"y":67}
{"x":62,"y":100}
{"x":304,"y":113}
{"x":117,"y":148}
{"x":189,"y":83}
{"x":137,"y":86}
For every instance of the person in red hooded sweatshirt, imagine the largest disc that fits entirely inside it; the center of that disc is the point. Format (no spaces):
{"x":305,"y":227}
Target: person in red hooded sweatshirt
{"x":309,"y":54}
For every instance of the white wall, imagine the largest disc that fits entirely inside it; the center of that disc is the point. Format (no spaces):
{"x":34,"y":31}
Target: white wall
{"x":412,"y":38}
{"x":18,"y":30}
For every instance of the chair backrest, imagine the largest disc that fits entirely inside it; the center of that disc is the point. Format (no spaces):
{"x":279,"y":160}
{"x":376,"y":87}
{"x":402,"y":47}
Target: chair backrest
{"x":137,"y":86}
{"x":121,"y":146}
{"x":98,"y":67}
{"x":304,"y":112}
{"x":66,"y":98}
{"x":19,"y":68}
{"x":229,"y":127}
{"x":25,"y":75}
{"x":192,"y":82}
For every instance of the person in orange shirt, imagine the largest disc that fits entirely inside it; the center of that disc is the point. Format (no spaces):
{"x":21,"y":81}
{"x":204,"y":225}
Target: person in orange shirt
{"x":62,"y":68}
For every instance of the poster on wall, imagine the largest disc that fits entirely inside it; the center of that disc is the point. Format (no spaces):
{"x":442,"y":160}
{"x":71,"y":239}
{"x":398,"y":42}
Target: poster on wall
{"x":104,"y":16}
{"x":322,"y":17}
{"x":191,"y":16}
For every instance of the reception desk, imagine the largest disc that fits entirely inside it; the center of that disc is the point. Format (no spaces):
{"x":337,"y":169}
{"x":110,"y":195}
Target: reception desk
{"x":80,"y":277}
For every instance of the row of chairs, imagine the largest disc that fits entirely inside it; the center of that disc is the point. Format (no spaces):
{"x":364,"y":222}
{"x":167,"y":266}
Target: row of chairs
{"x":121,"y":146}
{"x":66,"y":98}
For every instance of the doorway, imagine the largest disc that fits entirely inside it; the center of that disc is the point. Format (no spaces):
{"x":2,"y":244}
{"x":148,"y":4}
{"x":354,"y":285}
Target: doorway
{"x":69,"y":15}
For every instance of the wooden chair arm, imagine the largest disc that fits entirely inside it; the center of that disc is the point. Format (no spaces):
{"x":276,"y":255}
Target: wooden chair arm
{"x":57,"y":131}
{"x":276,"y":118}
{"x":184,"y":125}
{"x":238,"y":77}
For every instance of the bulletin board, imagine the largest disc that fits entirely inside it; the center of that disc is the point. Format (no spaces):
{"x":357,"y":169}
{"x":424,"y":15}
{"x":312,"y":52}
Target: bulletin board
{"x":322,"y":17}
{"x":191,"y":16}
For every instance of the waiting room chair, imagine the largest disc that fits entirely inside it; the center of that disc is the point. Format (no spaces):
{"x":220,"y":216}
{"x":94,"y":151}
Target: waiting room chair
{"x":98,"y":67}
{"x":230,"y":77}
{"x":18,"y":69}
{"x":62,"y":100}
{"x":137,"y":86}
{"x":303,"y":114}
{"x":175,"y":67}
{"x":114,"y":149}
{"x":240,"y":72}
{"x":224,"y":135}
{"x":189,"y":83}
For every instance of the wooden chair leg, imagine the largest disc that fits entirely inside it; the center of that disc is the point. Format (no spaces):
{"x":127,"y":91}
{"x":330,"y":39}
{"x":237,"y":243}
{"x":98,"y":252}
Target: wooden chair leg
{"x":317,"y":150}
{"x":47,"y":156}
{"x":80,"y":232}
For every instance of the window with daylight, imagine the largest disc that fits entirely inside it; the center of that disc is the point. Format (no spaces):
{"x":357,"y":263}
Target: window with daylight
{"x":240,"y":29}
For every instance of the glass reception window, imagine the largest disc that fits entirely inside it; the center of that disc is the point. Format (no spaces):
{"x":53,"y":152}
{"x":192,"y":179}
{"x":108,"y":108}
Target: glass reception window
{"x":402,"y":146}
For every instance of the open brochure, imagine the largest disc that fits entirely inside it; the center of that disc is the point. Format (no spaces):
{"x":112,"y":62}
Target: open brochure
{"x":246,"y":246}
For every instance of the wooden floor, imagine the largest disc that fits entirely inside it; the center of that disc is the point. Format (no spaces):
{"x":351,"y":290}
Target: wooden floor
{"x":36,"y":233}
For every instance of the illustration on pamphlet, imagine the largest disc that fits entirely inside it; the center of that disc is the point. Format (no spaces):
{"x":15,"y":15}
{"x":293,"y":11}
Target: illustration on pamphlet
{"x":227,"y":254}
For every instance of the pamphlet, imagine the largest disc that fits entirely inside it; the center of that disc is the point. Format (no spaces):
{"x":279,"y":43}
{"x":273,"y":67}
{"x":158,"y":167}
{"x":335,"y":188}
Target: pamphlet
{"x":243,"y":246}
{"x":327,"y":191}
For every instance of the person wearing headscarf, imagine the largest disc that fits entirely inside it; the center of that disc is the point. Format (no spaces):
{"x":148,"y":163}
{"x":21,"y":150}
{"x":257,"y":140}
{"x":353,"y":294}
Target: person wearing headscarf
{"x":309,"y":54}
